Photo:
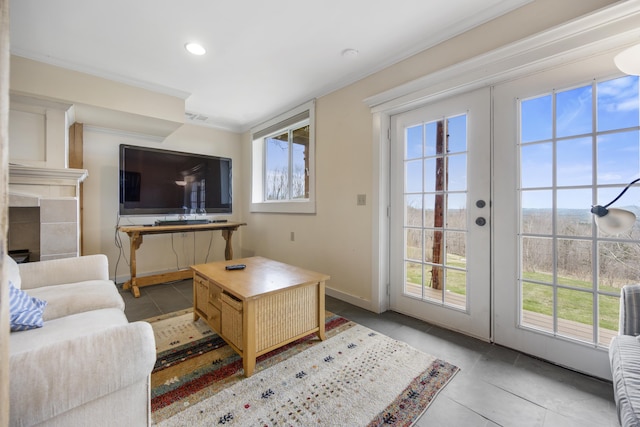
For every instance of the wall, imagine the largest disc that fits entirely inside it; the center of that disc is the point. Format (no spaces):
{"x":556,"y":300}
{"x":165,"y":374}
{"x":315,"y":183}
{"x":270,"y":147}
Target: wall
{"x":101,"y":201}
{"x":338,"y":239}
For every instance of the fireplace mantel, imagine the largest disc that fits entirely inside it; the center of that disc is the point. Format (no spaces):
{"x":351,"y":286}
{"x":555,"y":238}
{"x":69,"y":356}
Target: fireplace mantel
{"x":30,"y":175}
{"x":53,"y":231}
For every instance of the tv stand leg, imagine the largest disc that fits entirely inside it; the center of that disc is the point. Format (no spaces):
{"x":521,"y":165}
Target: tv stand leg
{"x":135,"y":240}
{"x":228,"y":250}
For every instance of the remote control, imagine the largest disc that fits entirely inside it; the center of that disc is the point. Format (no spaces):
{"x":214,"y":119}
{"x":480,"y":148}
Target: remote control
{"x":235,"y":267}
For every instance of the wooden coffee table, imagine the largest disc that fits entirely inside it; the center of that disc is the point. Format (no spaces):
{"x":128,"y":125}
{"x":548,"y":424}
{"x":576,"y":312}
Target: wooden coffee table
{"x":260,"y":308}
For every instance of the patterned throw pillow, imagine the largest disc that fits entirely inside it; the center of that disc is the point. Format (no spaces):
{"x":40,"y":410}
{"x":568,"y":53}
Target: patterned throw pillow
{"x":25,"y":311}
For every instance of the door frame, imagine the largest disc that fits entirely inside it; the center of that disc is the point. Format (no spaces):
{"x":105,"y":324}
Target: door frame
{"x":610,"y":29}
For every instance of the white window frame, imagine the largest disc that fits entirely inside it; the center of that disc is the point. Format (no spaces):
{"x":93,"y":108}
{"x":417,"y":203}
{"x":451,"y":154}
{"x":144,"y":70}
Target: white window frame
{"x":258,"y":202}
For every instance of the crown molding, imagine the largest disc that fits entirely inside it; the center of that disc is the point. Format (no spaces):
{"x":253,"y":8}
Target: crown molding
{"x":611,"y":28}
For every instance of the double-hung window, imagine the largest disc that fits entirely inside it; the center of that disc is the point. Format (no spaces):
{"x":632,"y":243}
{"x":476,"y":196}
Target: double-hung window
{"x":283,"y":163}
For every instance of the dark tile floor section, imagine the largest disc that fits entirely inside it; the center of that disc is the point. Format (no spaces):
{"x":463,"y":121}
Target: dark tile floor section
{"x":495,"y":387}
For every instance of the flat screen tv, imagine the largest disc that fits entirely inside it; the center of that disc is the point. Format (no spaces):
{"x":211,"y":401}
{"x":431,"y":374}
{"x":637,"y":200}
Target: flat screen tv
{"x":162,"y":182}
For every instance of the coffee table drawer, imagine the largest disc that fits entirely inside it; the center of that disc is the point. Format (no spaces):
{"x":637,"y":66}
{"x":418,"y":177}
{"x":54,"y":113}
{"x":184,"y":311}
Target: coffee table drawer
{"x":201,"y":287}
{"x":214,"y":317}
{"x":231,"y":319}
{"x":214,"y":295}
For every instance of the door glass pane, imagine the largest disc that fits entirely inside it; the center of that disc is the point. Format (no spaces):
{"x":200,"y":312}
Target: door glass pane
{"x":573,"y":112}
{"x":572,"y":218}
{"x":457,"y":172}
{"x":434,"y":279}
{"x":539,"y":121}
{"x":413,"y":279}
{"x":413,"y":176}
{"x":413,"y":142}
{"x":413,"y":210}
{"x":617,"y":265}
{"x":536,"y":164}
{"x":575,"y":165}
{"x":457,"y":133}
{"x":431,"y":132}
{"x":537,"y":306}
{"x":456,"y":293}
{"x":618,"y":157}
{"x":536,"y":211}
{"x":609,"y":310}
{"x":413,"y":239}
{"x":575,"y":263}
{"x":575,"y":314}
{"x":457,"y":211}
{"x":537,"y":259}
{"x":618,"y":103}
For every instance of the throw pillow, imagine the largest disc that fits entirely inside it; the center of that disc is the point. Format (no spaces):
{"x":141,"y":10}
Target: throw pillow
{"x":25,"y":312}
{"x":13,"y":271}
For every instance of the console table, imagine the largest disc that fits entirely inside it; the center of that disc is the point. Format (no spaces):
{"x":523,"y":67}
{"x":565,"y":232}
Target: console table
{"x":260,"y":308}
{"x":135,"y":233}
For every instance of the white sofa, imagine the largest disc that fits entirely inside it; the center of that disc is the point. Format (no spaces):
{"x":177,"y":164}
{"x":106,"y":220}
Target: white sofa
{"x":624,"y":356}
{"x":87,"y":365}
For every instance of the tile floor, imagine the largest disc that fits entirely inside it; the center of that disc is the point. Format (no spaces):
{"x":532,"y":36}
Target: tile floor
{"x":495,"y":387}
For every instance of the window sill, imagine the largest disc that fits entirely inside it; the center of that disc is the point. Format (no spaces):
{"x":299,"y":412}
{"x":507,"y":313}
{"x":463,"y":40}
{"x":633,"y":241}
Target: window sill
{"x":294,"y":207}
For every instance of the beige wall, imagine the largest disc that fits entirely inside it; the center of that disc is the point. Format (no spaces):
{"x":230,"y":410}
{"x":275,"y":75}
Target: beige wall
{"x":338,"y":239}
{"x":101,"y":200}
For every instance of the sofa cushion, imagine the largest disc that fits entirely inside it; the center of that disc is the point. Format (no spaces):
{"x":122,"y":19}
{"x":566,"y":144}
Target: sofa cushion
{"x":74,"y":360}
{"x":65,"y":328}
{"x":73,"y":298}
{"x":25,"y":311}
{"x":13,"y":271}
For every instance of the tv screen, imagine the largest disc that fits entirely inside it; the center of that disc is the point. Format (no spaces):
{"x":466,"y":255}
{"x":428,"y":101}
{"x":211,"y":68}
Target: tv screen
{"x":162,"y":182}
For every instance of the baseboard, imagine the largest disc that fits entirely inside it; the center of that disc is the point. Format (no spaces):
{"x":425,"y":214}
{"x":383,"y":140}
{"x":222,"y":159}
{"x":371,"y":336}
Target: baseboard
{"x":351,"y":299}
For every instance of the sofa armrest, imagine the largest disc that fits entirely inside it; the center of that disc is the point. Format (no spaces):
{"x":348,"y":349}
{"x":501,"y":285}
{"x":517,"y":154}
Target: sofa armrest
{"x":52,"y":379}
{"x":64,"y":270}
{"x":629,"y":310}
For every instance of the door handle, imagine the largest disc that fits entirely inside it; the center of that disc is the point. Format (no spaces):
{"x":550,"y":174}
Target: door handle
{"x":481,"y":221}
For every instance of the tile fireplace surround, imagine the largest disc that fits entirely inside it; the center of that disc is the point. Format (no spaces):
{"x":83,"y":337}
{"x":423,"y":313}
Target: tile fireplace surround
{"x":44,"y":211}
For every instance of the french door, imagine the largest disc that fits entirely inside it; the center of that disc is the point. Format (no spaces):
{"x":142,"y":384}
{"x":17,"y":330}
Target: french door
{"x":564,"y":140}
{"x":439,"y":219}
{"x":527,"y":268}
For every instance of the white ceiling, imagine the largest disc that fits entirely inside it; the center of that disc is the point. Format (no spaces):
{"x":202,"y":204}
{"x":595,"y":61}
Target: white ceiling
{"x":263,"y":57}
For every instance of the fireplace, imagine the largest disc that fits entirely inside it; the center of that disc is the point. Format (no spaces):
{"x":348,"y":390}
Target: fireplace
{"x":44,"y":211}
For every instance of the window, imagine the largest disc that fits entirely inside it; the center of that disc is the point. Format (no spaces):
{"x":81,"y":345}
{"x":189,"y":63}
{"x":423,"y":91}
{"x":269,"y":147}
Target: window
{"x":578,"y":147}
{"x":283,"y":163}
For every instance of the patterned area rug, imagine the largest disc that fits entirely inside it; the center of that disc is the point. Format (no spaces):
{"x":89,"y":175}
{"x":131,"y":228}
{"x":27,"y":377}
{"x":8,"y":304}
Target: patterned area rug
{"x":356,"y":377}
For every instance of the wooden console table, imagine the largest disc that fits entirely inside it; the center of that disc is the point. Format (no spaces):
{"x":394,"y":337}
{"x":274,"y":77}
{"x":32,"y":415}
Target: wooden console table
{"x":261,"y":308}
{"x":135,"y":233}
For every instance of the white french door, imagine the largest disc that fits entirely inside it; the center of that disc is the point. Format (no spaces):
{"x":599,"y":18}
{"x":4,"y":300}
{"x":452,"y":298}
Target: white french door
{"x":440,"y":206}
{"x":564,"y":140}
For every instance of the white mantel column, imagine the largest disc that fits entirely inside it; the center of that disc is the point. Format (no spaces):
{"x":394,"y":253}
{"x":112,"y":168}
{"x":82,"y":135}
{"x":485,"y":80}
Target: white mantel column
{"x":56,"y":193}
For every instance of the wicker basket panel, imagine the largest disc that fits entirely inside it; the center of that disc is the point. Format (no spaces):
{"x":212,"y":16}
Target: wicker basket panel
{"x":284,"y":315}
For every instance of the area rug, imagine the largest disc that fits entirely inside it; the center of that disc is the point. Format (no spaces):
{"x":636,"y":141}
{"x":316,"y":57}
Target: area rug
{"x":356,"y":377}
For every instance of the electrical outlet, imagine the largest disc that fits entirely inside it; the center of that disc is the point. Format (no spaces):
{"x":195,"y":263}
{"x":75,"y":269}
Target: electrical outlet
{"x":361,"y":200}
{"x":293,"y":236}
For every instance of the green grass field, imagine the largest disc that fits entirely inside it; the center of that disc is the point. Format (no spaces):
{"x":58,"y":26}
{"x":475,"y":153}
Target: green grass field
{"x":572,"y":304}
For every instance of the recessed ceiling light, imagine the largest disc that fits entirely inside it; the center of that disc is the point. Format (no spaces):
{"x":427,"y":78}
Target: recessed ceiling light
{"x":350,"y":53}
{"x":195,"y":48}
